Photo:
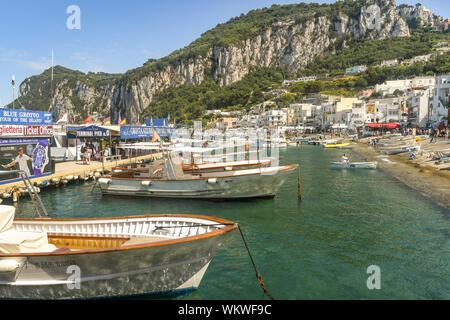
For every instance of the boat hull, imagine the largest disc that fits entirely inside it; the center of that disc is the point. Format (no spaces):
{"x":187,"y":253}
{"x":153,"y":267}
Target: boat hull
{"x":162,"y":267}
{"x":227,"y":187}
{"x":354,"y":165}
{"x":155,"y":270}
{"x":340,"y":145}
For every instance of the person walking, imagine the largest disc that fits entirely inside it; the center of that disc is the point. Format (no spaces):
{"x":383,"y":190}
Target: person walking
{"x":433,"y":135}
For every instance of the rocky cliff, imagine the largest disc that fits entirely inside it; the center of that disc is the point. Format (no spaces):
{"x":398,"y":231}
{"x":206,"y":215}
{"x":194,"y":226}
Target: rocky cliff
{"x":290,"y":43}
{"x":426,"y":16}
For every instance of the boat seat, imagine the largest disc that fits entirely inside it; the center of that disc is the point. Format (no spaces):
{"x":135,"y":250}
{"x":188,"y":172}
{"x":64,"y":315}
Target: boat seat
{"x":142,"y":240}
{"x":13,"y":241}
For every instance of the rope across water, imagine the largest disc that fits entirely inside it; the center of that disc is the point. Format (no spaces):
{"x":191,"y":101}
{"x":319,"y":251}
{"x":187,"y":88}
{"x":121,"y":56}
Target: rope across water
{"x":258,"y":275}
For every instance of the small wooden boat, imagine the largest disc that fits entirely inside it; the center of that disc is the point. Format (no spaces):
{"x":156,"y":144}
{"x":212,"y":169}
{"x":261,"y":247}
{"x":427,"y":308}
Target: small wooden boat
{"x":117,"y":256}
{"x":46,"y":258}
{"x":328,"y":141}
{"x":354,"y":165}
{"x":336,"y":145}
{"x":225,"y":165}
{"x":399,"y":149}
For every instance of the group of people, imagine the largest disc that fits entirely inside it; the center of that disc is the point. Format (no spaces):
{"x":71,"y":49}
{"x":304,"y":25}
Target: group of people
{"x":87,"y":152}
{"x":96,"y":151}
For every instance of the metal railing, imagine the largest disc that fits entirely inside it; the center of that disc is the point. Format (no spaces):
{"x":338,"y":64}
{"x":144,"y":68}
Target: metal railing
{"x":38,"y":205}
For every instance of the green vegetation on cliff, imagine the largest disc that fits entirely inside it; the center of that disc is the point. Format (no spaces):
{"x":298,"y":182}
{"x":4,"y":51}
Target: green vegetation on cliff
{"x":246,"y":26}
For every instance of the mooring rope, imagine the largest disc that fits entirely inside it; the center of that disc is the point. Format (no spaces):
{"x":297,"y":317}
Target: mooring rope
{"x":258,"y":275}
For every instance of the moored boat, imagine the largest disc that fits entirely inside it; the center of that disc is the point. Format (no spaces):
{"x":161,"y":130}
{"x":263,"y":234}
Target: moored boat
{"x":225,"y":165}
{"x":399,"y":149}
{"x":354,"y":165}
{"x":119,"y":256}
{"x":263,"y":182}
{"x":104,"y":257}
{"x":167,"y":178}
{"x":336,"y":145}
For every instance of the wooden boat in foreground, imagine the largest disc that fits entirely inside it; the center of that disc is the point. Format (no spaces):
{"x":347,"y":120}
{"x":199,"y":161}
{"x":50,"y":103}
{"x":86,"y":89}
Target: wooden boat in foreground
{"x":354,"y":165}
{"x":46,"y":258}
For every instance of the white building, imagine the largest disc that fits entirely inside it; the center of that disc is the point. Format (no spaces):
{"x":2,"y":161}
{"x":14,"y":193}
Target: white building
{"x":302,"y":79}
{"x":249,"y":121}
{"x":389,"y":87}
{"x":440,"y":101}
{"x":416,"y":59}
{"x":418,"y":107}
{"x":389,"y":63}
{"x":359,"y":115}
{"x":273,"y":118}
{"x":306,"y":79}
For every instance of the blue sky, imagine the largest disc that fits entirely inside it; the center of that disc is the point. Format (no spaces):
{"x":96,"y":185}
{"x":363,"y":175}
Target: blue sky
{"x":115,"y":36}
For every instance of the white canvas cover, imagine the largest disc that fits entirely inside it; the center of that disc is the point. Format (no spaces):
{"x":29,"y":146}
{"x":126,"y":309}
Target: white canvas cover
{"x":12,"y":241}
{"x":6,"y":217}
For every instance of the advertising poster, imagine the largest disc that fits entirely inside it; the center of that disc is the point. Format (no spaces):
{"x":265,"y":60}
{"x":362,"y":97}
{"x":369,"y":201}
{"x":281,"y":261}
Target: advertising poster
{"x":30,"y":155}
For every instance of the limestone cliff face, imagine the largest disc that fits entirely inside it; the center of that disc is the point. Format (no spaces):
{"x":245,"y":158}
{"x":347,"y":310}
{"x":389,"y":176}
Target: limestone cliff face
{"x":288,"y":44}
{"x":132,"y":100}
{"x":284,"y":44}
{"x":426,"y":16}
{"x":293,"y":46}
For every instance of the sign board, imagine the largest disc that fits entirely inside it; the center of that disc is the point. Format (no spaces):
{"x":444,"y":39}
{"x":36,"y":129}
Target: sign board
{"x":7,"y":130}
{"x":137,"y":132}
{"x":92,"y":132}
{"x":31,"y":155}
{"x":25,"y":117}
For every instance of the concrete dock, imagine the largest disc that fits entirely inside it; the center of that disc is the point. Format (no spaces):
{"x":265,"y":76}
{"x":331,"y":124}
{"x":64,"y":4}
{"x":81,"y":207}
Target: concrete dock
{"x":75,"y":169}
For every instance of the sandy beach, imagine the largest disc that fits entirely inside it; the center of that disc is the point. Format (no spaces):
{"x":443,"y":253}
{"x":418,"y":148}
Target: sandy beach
{"x":423,"y":174}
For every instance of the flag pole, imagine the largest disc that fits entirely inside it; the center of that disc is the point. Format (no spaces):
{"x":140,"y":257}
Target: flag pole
{"x":13,"y":81}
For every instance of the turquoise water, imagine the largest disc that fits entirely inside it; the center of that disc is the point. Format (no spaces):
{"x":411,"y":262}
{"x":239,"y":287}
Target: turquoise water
{"x":318,"y":248}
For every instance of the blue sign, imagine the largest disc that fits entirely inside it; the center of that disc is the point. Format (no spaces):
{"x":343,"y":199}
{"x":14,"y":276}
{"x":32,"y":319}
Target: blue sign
{"x":136,"y":132}
{"x":18,"y":140}
{"x":25,"y":117}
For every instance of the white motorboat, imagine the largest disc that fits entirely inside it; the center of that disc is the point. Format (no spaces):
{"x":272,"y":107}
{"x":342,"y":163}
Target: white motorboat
{"x":401,"y":149}
{"x":354,"y":165}
{"x":263,"y":182}
{"x":167,"y":179}
{"x":46,"y":258}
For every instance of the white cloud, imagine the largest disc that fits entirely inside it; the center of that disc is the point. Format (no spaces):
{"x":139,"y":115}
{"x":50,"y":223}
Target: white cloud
{"x":40,"y":65}
{"x":86,"y":62}
{"x":23,"y":59}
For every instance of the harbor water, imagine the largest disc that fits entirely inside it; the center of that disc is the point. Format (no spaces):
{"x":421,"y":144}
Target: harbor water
{"x":317,"y":248}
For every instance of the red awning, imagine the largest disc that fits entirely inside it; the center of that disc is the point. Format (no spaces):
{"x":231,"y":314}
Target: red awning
{"x":392,"y":125}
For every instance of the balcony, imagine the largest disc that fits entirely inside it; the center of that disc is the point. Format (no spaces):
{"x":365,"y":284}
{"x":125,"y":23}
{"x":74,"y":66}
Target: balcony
{"x":443,"y":102}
